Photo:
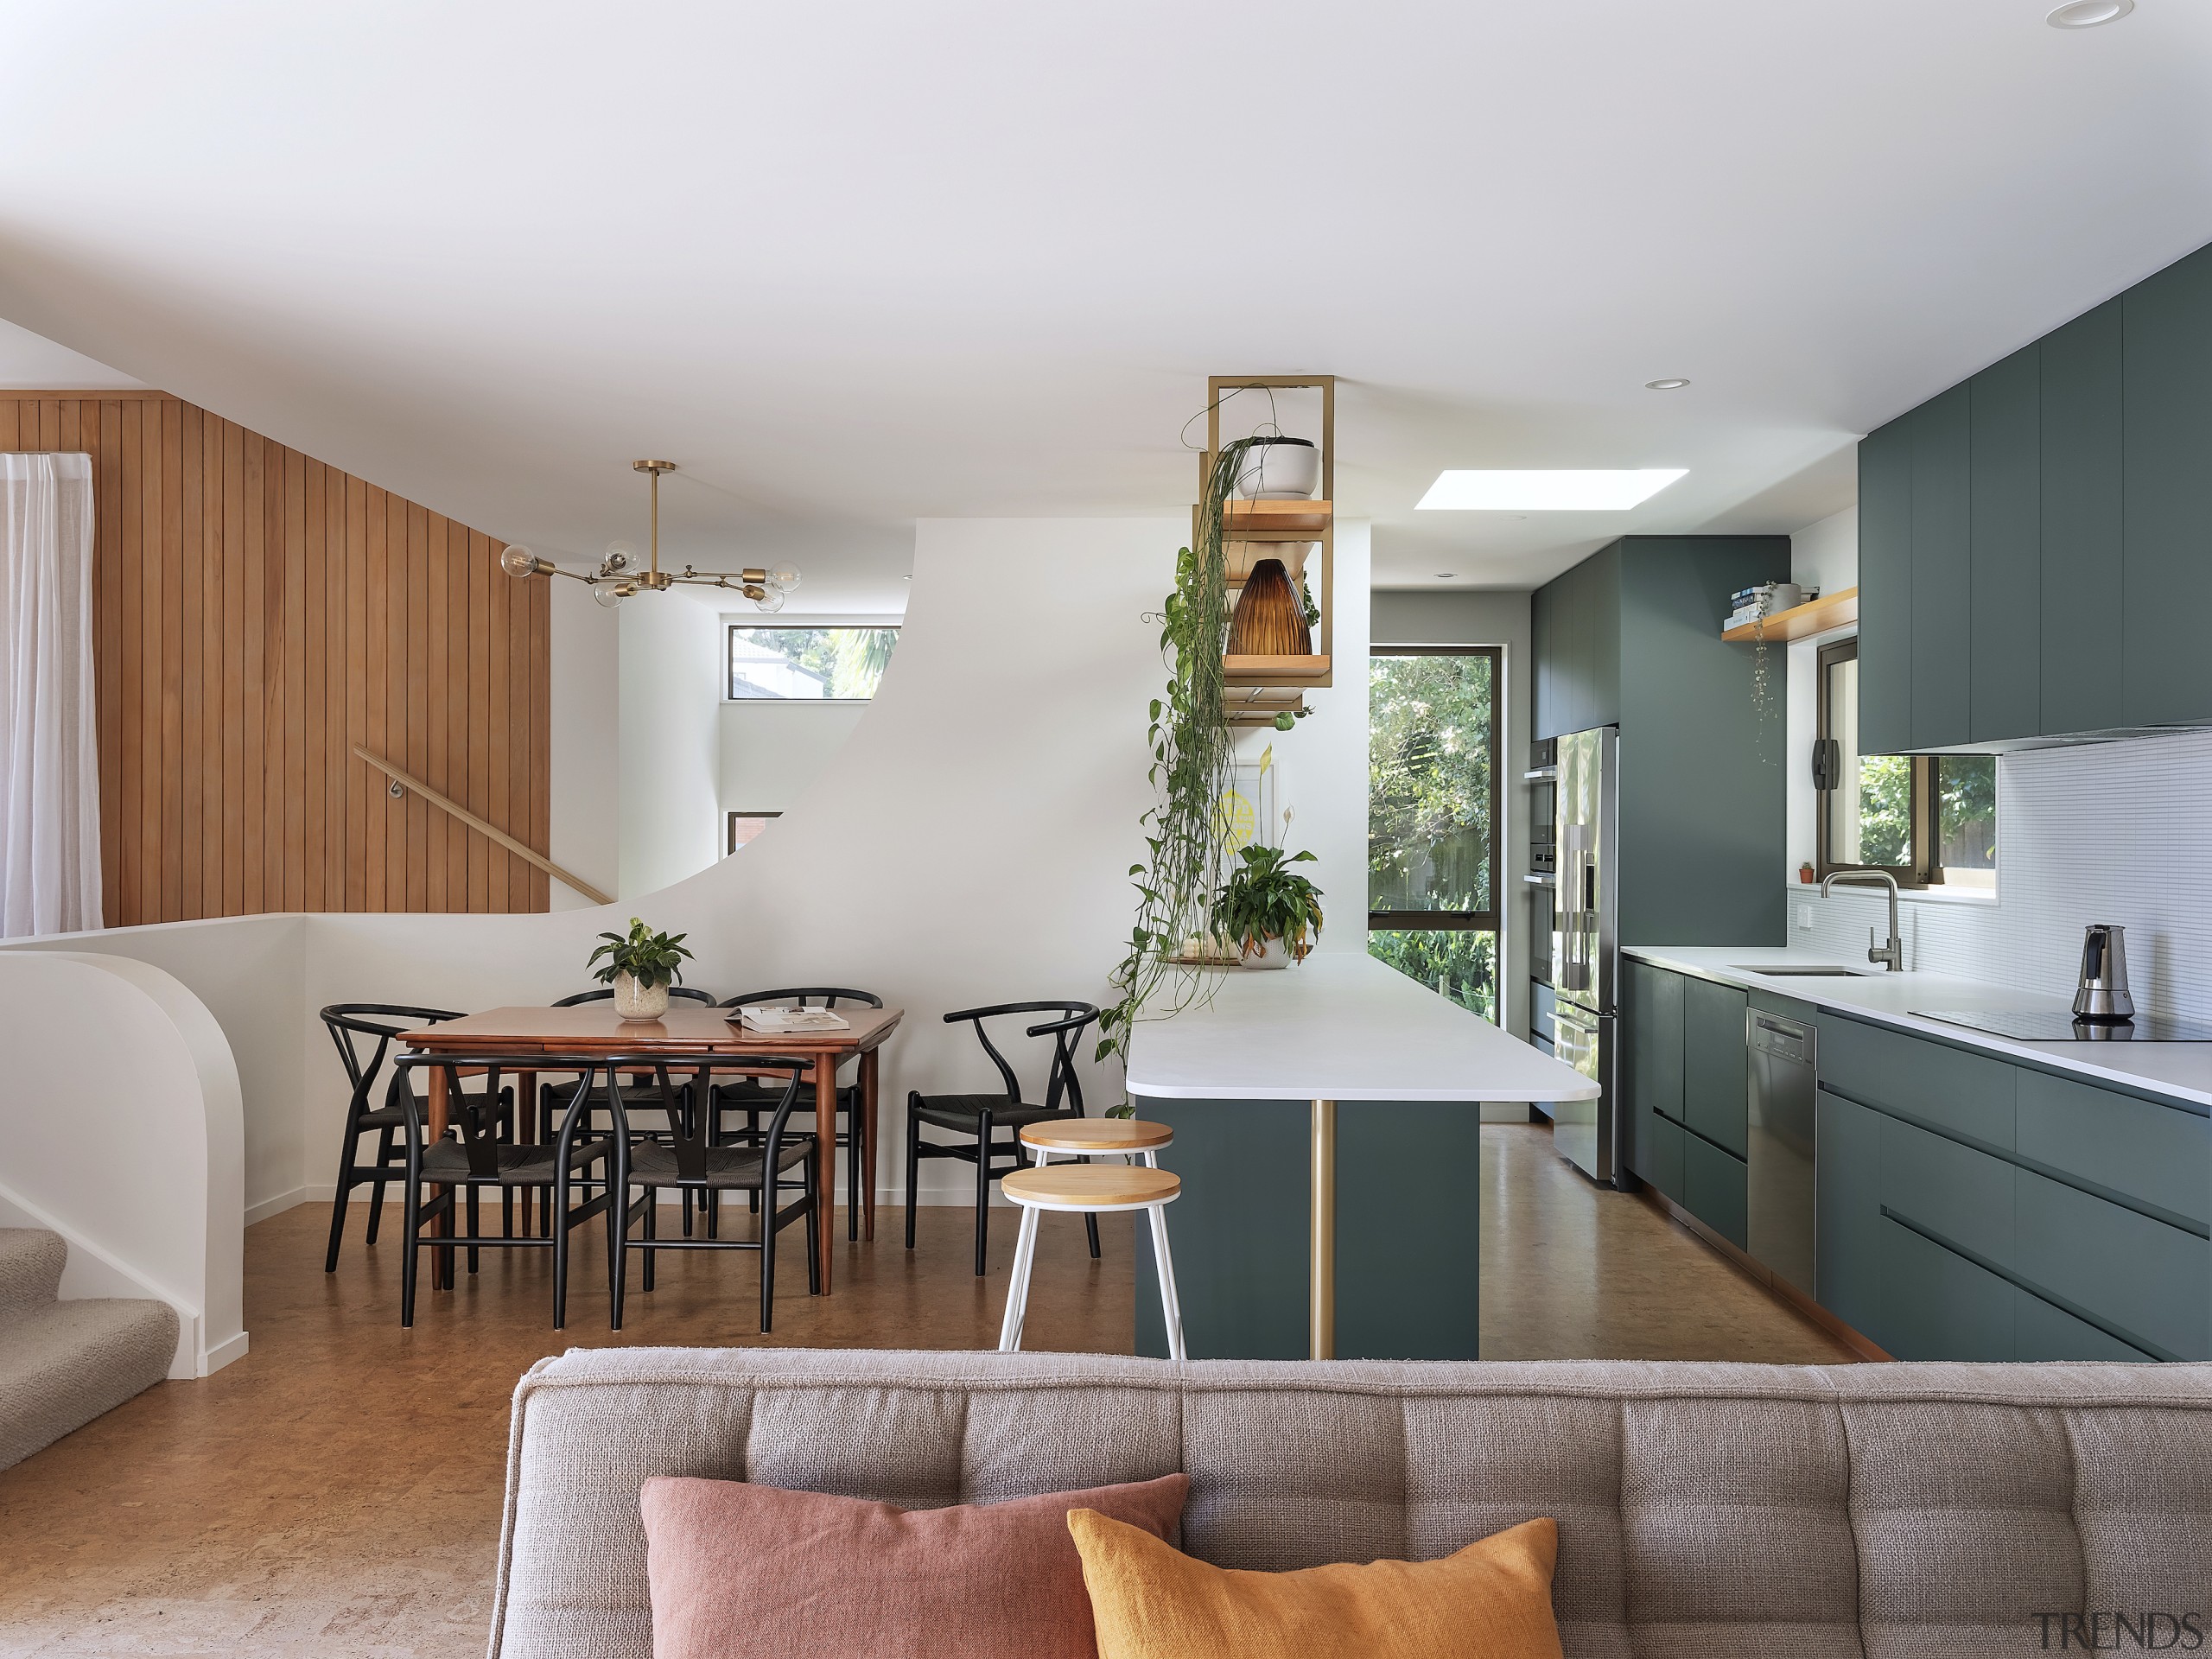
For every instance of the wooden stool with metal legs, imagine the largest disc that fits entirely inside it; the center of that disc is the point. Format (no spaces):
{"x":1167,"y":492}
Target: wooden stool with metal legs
{"x":1093,"y":1190}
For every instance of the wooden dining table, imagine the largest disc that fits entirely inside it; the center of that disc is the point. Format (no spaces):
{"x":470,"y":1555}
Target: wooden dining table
{"x":688,"y":1032}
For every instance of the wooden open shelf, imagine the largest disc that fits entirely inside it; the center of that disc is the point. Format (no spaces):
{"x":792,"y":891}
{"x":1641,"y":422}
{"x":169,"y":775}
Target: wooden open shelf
{"x":1800,"y":622}
{"x":1241,"y":557}
{"x":1275,"y":520}
{"x":1285,"y":672}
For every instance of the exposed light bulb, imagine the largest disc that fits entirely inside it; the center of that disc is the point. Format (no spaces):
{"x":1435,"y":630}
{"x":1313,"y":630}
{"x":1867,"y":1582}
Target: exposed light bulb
{"x":771,"y":599}
{"x":620,"y":556}
{"x":784,"y":577}
{"x":520,"y":561}
{"x":609,"y":594}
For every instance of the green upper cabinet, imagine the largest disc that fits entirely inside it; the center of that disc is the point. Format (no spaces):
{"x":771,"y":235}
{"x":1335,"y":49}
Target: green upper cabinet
{"x":1942,"y":588}
{"x":2004,"y":470}
{"x":2079,"y":499}
{"x":1885,"y":616}
{"x":2166,"y":538}
{"x":2034,"y":550}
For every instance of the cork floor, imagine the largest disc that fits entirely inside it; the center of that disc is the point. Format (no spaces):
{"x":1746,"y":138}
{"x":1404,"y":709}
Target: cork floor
{"x":336,"y":1493}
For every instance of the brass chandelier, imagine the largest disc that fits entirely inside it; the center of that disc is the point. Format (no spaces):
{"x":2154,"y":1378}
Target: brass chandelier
{"x":617,"y":576}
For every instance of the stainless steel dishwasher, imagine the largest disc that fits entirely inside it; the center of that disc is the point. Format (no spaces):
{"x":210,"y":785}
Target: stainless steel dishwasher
{"x":1782,"y":1061}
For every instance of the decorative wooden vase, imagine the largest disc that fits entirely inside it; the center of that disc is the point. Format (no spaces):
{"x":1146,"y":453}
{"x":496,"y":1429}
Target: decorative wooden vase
{"x":1270,"y":618}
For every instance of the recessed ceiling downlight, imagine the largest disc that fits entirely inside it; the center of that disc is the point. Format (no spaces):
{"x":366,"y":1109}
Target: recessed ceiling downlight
{"x":2088,"y":14}
{"x":1547,"y":491}
{"x":1674,"y":384}
{"x":1446,"y":576}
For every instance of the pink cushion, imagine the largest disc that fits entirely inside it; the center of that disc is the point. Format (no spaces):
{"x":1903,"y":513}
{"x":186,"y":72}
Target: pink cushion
{"x":738,"y":1570}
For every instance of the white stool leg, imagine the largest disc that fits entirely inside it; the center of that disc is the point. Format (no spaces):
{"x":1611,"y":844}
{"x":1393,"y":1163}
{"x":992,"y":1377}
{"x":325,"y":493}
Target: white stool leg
{"x":1151,"y":1159}
{"x":1169,"y":1307}
{"x":1017,"y":1293}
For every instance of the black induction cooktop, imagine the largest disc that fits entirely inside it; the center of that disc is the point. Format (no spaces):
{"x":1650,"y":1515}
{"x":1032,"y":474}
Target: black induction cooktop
{"x":2063,"y":1027}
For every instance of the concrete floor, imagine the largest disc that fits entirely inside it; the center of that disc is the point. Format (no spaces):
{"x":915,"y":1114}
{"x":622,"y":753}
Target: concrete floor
{"x":336,"y":1493}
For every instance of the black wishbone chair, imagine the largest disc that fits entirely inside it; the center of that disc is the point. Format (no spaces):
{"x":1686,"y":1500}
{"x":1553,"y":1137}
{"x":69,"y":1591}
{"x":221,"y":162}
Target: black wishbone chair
{"x":476,"y":1161}
{"x":690,"y":1160}
{"x":981,"y":1117}
{"x":753,"y":1096}
{"x":352,"y":1027}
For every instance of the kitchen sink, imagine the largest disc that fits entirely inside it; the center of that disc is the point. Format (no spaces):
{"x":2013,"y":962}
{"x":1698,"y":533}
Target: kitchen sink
{"x":1798,"y":973}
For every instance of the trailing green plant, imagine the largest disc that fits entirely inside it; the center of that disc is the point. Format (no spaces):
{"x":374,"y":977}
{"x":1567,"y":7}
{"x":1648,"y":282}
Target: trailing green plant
{"x":650,"y":958}
{"x":1264,"y":899}
{"x":1192,"y":749}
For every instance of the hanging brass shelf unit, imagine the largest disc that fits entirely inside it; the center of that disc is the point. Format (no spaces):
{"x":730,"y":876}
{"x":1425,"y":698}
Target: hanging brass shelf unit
{"x":1258,"y":689}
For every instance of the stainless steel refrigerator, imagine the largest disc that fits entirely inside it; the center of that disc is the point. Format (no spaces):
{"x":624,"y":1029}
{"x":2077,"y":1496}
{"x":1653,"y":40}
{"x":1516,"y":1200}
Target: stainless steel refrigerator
{"x":1586,"y":940}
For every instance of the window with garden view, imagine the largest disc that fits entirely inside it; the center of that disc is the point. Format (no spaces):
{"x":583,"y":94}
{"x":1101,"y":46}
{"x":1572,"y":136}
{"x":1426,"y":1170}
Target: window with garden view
{"x":844,"y":663}
{"x":1926,"y":819}
{"x":1432,"y":817}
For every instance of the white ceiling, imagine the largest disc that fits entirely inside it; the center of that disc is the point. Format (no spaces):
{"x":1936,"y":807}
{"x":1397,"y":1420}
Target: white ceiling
{"x":854,"y":264}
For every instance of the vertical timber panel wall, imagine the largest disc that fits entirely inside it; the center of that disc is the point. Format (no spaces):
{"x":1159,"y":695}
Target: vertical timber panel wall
{"x":257,"y":615}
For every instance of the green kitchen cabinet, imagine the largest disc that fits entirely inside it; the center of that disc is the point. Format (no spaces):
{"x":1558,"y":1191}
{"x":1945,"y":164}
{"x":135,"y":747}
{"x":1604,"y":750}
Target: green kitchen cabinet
{"x":1716,"y":1071}
{"x":1631,"y":636}
{"x":1885,"y":614}
{"x":1956,"y":1194}
{"x":2135,"y":1277}
{"x":1938,"y":1304}
{"x":2079,"y":496}
{"x":2165,"y":581}
{"x":2043,"y":1331}
{"x":2154,"y":1157}
{"x":1652,"y":1019}
{"x":1715,"y":1188}
{"x":1847,"y":1212}
{"x":1952,"y":1091}
{"x":1942,"y":553}
{"x":2004,"y":615}
{"x":2033,"y":550}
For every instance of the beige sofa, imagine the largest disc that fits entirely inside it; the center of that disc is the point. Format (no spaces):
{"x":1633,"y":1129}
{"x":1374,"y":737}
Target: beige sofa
{"x":1703,"y":1509}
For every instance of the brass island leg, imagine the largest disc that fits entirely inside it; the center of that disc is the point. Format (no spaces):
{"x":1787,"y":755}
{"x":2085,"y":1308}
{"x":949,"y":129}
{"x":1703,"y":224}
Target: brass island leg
{"x":1322,"y":1271}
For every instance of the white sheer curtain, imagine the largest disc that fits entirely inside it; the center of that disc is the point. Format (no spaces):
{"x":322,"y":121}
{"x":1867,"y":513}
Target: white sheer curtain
{"x":50,"y":756}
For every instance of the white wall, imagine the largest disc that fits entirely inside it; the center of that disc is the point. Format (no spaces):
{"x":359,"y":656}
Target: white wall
{"x":248,"y":970}
{"x":772,"y":751}
{"x":671,"y":742}
{"x":585,"y":822}
{"x":1825,"y":553}
{"x":124,"y":1133}
{"x":2098,"y":832}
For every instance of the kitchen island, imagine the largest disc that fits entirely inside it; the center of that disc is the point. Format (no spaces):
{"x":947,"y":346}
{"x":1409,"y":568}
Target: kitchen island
{"x":1327,"y":1130}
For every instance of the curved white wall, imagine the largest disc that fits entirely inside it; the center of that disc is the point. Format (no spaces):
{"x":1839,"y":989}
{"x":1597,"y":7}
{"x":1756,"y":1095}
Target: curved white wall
{"x":125,"y":1133}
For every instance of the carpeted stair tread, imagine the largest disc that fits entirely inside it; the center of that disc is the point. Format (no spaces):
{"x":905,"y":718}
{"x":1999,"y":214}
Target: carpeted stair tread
{"x":64,"y":1363}
{"x":31,"y":1260}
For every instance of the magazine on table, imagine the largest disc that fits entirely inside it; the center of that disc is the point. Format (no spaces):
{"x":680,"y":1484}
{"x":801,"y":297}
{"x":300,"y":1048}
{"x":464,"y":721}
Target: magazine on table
{"x":784,"y":1022}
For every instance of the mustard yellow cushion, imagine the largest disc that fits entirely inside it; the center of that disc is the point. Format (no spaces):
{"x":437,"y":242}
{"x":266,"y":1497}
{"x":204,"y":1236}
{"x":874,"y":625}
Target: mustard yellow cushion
{"x":1490,"y":1600}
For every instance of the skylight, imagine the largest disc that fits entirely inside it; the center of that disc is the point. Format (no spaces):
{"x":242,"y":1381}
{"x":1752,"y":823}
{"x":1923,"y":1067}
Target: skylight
{"x":1547,"y":491}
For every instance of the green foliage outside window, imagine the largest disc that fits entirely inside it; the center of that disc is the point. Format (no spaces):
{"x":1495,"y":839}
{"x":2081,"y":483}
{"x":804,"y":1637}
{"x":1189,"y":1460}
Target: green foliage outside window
{"x":1885,"y":811}
{"x":1429,"y":784}
{"x":850,"y":662}
{"x":1458,"y":964}
{"x":1966,"y":811}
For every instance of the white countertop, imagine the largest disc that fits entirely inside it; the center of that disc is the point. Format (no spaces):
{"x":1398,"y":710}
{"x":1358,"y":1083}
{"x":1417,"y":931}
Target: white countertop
{"x":2181,"y":1070}
{"x":1337,"y":1026}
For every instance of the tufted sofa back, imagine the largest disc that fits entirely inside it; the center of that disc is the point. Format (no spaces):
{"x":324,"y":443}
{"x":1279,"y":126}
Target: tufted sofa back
{"x":1706,"y":1510}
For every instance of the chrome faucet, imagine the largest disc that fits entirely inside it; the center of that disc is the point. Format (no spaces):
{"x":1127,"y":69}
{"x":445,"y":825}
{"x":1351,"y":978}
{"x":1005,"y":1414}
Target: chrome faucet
{"x":1892,"y":954}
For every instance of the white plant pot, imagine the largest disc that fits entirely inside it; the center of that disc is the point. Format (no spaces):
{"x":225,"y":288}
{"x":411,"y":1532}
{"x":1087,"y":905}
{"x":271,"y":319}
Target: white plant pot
{"x":1278,"y":469}
{"x":636,"y":1001}
{"x":1272,"y":953}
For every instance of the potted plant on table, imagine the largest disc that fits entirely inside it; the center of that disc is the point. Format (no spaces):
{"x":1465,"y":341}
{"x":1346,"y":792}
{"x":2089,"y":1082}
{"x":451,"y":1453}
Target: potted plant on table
{"x":1267,"y":908}
{"x":640,"y":966}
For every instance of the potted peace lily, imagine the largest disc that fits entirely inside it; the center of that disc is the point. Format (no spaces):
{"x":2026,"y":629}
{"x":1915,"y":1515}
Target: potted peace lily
{"x":640,"y":966}
{"x":1267,"y":908}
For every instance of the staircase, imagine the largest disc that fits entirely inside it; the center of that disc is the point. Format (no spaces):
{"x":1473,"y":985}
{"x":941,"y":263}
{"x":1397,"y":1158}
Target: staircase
{"x":63,"y":1363}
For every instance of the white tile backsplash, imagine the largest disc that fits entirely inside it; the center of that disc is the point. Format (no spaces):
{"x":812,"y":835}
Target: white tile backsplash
{"x":2096,"y":832}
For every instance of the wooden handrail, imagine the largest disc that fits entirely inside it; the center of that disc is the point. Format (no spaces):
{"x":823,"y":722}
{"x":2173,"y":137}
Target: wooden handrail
{"x":478,"y":824}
